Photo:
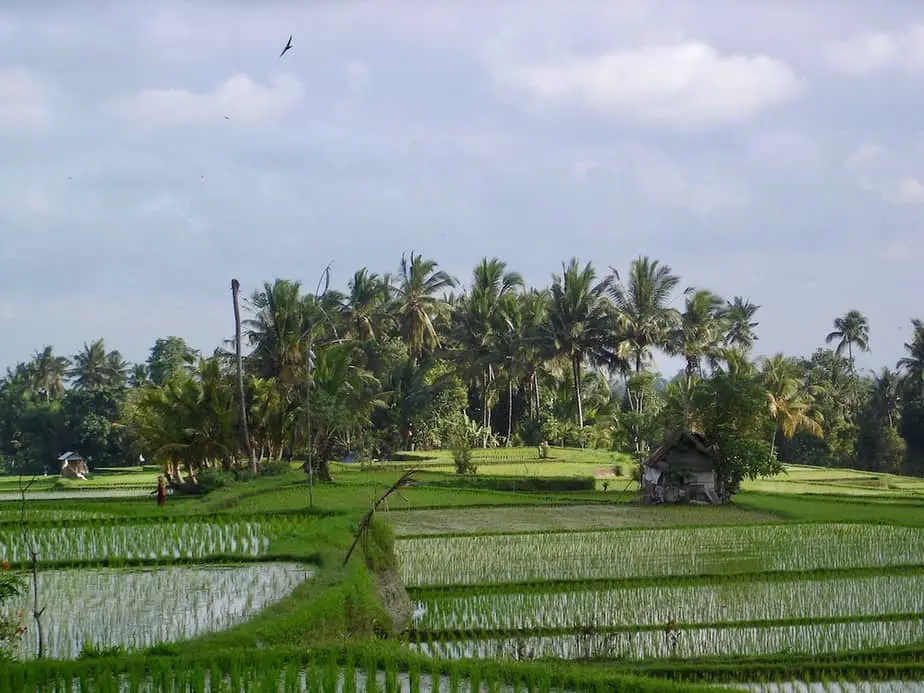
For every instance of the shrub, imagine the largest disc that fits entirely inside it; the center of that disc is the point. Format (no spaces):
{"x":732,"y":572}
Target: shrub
{"x":279,"y":468}
{"x":462,"y":455}
{"x":212,"y":479}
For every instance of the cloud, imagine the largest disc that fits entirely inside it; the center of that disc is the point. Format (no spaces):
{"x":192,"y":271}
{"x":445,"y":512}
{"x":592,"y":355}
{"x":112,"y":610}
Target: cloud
{"x":687,"y":85}
{"x":902,"y":249}
{"x":240,"y":98}
{"x":875,"y":51}
{"x":698,"y":189}
{"x":784,"y":149}
{"x":26,"y":100}
{"x":880,"y":171}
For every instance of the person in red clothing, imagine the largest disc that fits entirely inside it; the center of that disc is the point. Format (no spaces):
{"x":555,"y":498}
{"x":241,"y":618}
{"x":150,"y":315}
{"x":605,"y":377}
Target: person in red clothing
{"x":161,"y":491}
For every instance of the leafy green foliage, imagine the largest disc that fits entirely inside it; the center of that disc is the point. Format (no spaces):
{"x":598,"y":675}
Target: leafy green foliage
{"x":733,"y":413}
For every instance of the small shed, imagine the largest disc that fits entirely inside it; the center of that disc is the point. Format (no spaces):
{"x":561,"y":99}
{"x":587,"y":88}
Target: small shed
{"x":73,"y":466}
{"x":682,"y":469}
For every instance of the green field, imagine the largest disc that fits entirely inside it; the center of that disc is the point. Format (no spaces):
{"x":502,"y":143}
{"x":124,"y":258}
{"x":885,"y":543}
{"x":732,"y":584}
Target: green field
{"x":517,"y":579}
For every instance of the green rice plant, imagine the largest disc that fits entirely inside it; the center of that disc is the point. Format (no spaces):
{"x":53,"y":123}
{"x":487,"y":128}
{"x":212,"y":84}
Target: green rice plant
{"x":811,"y":638}
{"x":106,"y":608}
{"x":159,"y":541}
{"x":656,"y":604}
{"x":637,"y":553}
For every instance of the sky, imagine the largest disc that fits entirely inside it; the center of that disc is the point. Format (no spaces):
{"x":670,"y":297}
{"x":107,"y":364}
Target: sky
{"x":149,"y":152}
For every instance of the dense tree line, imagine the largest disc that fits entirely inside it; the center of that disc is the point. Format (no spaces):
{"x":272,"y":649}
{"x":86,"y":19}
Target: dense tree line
{"x":412,"y":360}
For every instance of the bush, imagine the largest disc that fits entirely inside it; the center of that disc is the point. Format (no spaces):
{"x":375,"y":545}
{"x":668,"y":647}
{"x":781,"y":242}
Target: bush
{"x":212,"y":479}
{"x":275,"y":469}
{"x":462,"y":455}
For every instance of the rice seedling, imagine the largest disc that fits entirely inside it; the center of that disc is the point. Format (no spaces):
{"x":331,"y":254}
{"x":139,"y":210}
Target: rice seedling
{"x":814,"y":638}
{"x":833,"y":687}
{"x":311,"y":679}
{"x":636,"y":553}
{"x":657,"y":604}
{"x":147,"y":541}
{"x":79,"y":493}
{"x":139,"y":608}
{"x":11,"y":514}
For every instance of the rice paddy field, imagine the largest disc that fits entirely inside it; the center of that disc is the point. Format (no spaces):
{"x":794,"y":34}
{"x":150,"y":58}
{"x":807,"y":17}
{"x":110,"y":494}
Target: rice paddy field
{"x":106,"y":608}
{"x":810,"y":581}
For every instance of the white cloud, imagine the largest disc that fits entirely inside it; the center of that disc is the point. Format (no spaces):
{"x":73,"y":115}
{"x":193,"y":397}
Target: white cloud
{"x":239,"y":98}
{"x":662,"y":179}
{"x":901,"y":249}
{"x":875,"y":51}
{"x":909,"y":190}
{"x":887,"y":174}
{"x":784,"y":149}
{"x":26,"y":100}
{"x":683,"y":85}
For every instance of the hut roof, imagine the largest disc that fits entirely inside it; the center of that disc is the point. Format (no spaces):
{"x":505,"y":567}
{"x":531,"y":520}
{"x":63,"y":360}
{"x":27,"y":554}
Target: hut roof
{"x":76,"y":456}
{"x":686,"y":440}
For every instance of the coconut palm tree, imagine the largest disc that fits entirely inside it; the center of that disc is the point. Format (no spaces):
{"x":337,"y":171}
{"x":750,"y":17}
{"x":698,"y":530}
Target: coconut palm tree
{"x":699,"y":332}
{"x":739,"y":319}
{"x":643,"y":307}
{"x":886,"y":395}
{"x":117,"y":370}
{"x":418,"y":304}
{"x":581,"y":323}
{"x":790,"y":404}
{"x":913,"y":363}
{"x":48,"y":373}
{"x":365,"y":305}
{"x":91,"y":368}
{"x":277,"y":332}
{"x":849,"y":330}
{"x":480,"y":328}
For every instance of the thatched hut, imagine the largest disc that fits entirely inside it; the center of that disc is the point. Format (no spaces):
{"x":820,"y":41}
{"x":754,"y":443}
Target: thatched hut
{"x":682,"y":469}
{"x":73,"y":466}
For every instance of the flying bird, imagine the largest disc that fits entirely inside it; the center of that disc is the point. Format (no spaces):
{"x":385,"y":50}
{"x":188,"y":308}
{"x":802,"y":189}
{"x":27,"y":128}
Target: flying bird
{"x":288,"y":47}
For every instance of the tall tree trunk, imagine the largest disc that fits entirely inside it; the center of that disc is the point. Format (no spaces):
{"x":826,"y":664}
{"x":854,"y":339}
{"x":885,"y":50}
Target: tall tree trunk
{"x":576,"y":371}
{"x":236,"y":297}
{"x":538,"y":395}
{"x":509,"y":409}
{"x":772,"y":444}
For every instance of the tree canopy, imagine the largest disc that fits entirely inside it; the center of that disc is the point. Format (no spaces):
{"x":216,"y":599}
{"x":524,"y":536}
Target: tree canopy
{"x":410,"y":359}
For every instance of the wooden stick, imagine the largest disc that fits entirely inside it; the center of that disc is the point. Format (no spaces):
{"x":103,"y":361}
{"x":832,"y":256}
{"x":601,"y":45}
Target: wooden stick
{"x":405,"y":480}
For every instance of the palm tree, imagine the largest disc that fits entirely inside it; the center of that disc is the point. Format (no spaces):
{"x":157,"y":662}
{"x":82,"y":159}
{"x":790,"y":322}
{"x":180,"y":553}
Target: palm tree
{"x":913,"y":363}
{"x":365,"y":305}
{"x":536,"y":345}
{"x":581,"y":322}
{"x":117,"y":369}
{"x":851,"y":329}
{"x":278,"y":331}
{"x":90,"y":367}
{"x":885,"y":398}
{"x":139,"y":376}
{"x":739,"y":317}
{"x":699,"y":333}
{"x":418,"y":306}
{"x":790,"y":405}
{"x":643,"y":307}
{"x":480,"y":326}
{"x":49,"y":372}
{"x":239,"y":367}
